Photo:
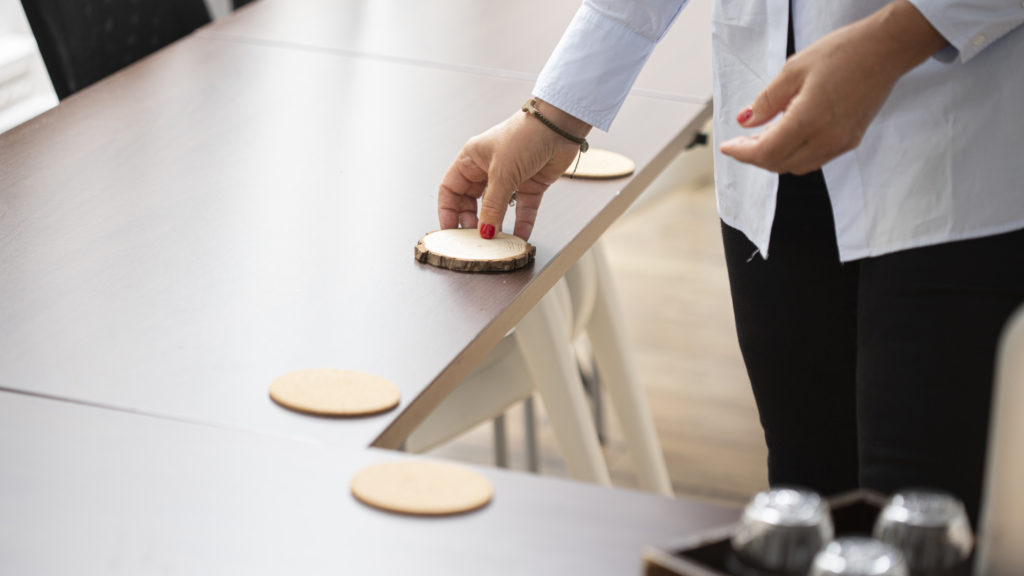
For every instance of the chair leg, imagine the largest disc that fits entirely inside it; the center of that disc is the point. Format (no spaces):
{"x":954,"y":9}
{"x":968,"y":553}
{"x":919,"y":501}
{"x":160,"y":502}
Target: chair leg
{"x":543,"y":340}
{"x":530,"y":438}
{"x":605,"y":331}
{"x":592,"y":384}
{"x":500,"y":442}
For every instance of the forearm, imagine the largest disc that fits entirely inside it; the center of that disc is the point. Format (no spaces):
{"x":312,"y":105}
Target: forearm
{"x":971,"y":26}
{"x":600,"y":55}
{"x":902,"y":37}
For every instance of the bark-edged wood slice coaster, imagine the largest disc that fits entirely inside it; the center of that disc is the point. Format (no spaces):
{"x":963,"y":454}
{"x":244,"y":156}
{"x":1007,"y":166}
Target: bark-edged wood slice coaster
{"x":334,"y":392}
{"x":422,"y":488}
{"x":463,"y":250}
{"x":598,"y":164}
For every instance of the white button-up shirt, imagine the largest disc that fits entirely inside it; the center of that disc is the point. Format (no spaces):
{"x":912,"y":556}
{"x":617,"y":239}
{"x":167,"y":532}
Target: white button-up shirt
{"x":943,"y":160}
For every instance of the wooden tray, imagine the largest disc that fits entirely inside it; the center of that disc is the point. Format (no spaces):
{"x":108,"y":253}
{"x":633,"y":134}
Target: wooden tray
{"x":710,"y":554}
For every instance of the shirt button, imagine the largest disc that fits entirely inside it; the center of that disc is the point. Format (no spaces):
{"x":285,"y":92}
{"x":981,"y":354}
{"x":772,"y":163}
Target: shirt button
{"x":978,"y":40}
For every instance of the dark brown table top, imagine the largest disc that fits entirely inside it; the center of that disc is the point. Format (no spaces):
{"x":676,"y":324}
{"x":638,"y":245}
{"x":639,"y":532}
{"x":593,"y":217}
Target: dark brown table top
{"x":196,"y":225}
{"x":179,"y":234}
{"x":511,"y":39}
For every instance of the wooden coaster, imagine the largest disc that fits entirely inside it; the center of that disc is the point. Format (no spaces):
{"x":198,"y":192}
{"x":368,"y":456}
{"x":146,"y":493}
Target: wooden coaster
{"x":422,"y":488}
{"x":598,"y":164}
{"x":334,"y":392}
{"x":463,"y":250}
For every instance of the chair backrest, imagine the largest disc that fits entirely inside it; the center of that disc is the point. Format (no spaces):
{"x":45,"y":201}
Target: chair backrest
{"x":83,"y":41}
{"x":1002,"y":517}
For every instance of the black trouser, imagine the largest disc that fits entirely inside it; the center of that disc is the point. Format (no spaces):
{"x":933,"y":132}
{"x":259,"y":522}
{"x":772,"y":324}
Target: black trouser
{"x":875,"y":373}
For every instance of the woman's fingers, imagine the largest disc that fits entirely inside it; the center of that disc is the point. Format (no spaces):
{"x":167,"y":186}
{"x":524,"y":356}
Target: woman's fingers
{"x":771,"y":149}
{"x":828,"y":106}
{"x":501,"y":183}
{"x":462,"y":184}
{"x":528,"y":200}
{"x":773,"y":100}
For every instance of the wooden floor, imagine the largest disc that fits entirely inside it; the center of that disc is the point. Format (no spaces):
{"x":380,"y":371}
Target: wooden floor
{"x":667,"y":258}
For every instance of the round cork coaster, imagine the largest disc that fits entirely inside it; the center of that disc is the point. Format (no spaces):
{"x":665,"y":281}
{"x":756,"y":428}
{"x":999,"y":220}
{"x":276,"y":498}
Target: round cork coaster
{"x":334,"y":392}
{"x":463,"y":250}
{"x":422,"y":488}
{"x":598,"y":164}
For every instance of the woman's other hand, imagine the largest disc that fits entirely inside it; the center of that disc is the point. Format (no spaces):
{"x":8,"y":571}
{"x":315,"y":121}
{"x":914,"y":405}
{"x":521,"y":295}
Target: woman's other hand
{"x":832,"y":90}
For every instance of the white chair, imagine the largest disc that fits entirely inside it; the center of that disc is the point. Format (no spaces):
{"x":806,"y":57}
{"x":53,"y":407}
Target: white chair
{"x":592,"y":288}
{"x":539,"y":356}
{"x":1002,"y":516}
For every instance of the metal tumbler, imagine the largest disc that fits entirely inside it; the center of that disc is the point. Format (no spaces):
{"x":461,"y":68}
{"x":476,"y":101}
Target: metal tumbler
{"x":858,"y":556}
{"x":782,"y":529}
{"x":929,"y":527}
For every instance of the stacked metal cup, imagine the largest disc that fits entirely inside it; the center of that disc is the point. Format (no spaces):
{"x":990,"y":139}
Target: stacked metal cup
{"x":858,"y":556}
{"x":929,"y":527}
{"x":782,"y":529}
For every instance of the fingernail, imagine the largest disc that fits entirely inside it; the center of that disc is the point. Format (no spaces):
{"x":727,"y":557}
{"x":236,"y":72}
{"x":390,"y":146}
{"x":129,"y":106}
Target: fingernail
{"x":745,"y":115}
{"x":486,"y":231}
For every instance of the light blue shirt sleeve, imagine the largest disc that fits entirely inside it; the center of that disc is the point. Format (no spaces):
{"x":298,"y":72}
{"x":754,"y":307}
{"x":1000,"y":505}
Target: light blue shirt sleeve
{"x":970,"y":26}
{"x":600,"y":55}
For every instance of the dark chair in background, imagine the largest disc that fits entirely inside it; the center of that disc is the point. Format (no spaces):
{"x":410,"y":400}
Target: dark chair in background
{"x":82,"y":41}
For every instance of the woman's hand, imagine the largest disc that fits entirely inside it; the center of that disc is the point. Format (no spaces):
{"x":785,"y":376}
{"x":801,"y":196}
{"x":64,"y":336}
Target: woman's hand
{"x":831,"y":91}
{"x":518,"y":154}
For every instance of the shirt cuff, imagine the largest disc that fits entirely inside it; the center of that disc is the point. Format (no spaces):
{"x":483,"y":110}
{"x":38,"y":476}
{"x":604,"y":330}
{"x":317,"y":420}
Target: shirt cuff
{"x":970,"y":26}
{"x":594,"y":66}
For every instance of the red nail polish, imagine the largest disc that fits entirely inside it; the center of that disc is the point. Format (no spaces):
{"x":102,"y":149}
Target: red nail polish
{"x":745,"y":115}
{"x":486,"y":231}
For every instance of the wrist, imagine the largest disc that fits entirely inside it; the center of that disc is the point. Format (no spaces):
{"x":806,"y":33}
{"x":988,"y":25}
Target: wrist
{"x":571,"y":124}
{"x":905,"y":36}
